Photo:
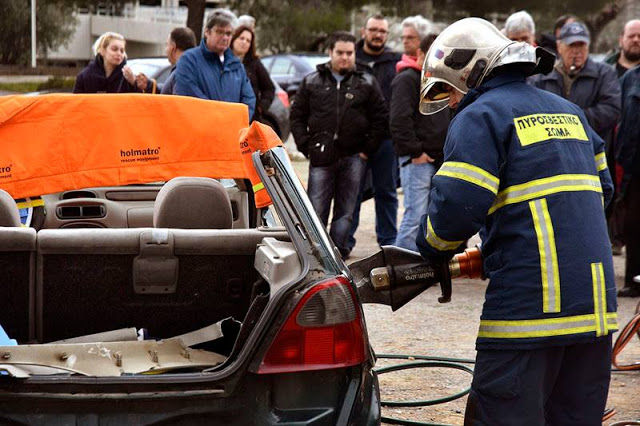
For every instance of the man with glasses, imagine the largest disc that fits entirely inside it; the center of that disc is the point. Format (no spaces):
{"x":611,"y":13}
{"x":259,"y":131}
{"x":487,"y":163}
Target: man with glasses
{"x":414,"y":29}
{"x":211,"y":71}
{"x":372,"y":56}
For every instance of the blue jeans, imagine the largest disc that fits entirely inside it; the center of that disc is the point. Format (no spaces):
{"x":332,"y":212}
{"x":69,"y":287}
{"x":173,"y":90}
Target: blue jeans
{"x":416,"y":184}
{"x":339,"y":182}
{"x":384,"y":173}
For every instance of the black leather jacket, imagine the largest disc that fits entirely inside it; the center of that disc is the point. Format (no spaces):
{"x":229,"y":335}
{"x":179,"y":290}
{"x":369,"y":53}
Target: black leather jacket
{"x":412,"y":132}
{"x":352,"y":113}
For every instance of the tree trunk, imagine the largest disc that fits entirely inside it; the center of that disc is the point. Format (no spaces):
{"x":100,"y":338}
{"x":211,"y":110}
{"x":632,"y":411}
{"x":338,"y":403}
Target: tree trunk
{"x":598,"y":21}
{"x":195,"y":16}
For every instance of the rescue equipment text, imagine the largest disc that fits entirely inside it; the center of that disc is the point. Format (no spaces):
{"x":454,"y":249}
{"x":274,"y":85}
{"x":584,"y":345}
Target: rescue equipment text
{"x":542,"y":127}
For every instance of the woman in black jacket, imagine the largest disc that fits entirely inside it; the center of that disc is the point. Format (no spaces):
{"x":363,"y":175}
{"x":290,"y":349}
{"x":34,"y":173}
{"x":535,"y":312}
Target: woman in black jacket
{"x":108,"y":72}
{"x":243,"y":44}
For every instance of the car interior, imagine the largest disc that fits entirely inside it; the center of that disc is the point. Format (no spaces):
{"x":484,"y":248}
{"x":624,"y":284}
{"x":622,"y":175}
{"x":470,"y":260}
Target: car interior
{"x":168,"y":259}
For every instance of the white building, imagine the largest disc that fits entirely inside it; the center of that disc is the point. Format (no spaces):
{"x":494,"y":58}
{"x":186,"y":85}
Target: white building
{"x":144,"y":27}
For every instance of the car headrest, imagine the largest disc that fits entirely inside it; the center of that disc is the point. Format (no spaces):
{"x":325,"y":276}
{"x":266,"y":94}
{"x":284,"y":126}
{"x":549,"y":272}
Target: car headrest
{"x":193,"y":203}
{"x":9,"y":215}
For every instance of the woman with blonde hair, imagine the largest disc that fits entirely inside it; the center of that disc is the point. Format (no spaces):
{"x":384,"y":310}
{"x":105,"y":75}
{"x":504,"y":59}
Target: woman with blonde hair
{"x":108,"y":72}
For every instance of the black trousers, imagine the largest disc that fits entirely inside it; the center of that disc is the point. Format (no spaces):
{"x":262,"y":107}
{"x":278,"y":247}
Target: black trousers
{"x":632,"y":232}
{"x":563,"y":386}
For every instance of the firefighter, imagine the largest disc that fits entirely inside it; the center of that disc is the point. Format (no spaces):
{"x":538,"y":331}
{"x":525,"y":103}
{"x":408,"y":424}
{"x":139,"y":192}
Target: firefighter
{"x":523,"y":167}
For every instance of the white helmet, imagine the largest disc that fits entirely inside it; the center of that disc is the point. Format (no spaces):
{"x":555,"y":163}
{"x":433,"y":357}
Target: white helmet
{"x":463,"y":55}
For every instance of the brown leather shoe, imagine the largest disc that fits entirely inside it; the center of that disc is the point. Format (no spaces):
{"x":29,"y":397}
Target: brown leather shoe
{"x":627,"y":291}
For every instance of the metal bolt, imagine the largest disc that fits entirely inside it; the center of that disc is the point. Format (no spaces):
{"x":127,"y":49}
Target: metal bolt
{"x":154,"y":356}
{"x":118,"y":356}
{"x":6,"y":355}
{"x":64,"y":356}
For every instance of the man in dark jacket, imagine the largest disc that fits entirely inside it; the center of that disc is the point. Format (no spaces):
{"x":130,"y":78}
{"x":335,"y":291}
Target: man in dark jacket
{"x":338,"y":119}
{"x":629,"y":54}
{"x":211,"y":71}
{"x":179,"y":41}
{"x":372,"y":56}
{"x":591,"y":85}
{"x":628,"y":157}
{"x":417,"y":140}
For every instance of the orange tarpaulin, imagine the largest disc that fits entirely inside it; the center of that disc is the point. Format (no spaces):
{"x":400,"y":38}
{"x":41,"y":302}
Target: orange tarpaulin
{"x":258,"y":137}
{"x":53,"y":143}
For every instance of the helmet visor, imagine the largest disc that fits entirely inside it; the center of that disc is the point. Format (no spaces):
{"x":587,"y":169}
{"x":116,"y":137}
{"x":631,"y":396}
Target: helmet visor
{"x":434,"y":97}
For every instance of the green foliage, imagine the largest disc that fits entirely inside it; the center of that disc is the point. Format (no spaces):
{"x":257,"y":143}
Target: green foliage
{"x":300,"y":28}
{"x":57,"y":83}
{"x":54,"y":84}
{"x":544,"y":12}
{"x":54,"y":26}
{"x":22,"y":87}
{"x":297,"y":25}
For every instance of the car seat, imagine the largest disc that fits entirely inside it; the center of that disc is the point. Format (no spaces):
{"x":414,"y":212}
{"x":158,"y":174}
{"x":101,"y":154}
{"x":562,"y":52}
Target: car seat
{"x":193,"y":203}
{"x":9,"y":215}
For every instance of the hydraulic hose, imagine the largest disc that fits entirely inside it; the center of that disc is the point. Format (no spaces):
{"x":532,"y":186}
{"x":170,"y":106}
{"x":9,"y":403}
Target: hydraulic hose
{"x":625,"y":336}
{"x":422,"y":361}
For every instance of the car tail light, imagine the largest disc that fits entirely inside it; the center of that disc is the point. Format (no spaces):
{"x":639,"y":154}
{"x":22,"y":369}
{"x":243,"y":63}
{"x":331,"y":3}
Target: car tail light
{"x":325,"y":330}
{"x":284,"y":97}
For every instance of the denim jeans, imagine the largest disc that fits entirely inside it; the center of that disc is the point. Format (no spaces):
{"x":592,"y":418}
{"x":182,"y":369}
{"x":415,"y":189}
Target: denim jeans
{"x":339,"y":182}
{"x":416,"y":185}
{"x":384,"y":173}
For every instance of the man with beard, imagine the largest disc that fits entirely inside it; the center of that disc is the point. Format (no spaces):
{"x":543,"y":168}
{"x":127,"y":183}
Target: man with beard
{"x":372,"y":56}
{"x":338,"y":119}
{"x":629,"y":54}
{"x":627,"y":155}
{"x":623,"y":60}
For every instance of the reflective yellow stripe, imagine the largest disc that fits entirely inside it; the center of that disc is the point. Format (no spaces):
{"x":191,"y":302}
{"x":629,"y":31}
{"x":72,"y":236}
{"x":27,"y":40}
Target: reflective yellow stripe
{"x":545,"y":327}
{"x":599,"y":298}
{"x":437,"y":242}
{"x":258,"y":186}
{"x":601,"y":162}
{"x":31,"y":203}
{"x":541,"y":187}
{"x":548,"y":256}
{"x":471,"y":174}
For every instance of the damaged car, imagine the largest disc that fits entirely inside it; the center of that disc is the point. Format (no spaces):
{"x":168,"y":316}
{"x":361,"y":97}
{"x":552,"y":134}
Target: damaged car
{"x":162,"y":285}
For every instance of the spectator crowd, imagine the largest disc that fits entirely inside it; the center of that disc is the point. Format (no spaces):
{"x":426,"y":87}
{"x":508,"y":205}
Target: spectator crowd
{"x":358,"y":118}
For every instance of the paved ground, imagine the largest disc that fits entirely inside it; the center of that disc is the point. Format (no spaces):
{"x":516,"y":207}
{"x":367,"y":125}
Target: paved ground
{"x":425,"y":327}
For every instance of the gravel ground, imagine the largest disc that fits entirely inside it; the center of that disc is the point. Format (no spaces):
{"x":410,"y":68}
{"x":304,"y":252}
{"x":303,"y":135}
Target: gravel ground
{"x":426,"y":327}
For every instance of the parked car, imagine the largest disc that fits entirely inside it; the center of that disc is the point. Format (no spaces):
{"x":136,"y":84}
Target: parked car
{"x":288,"y":69}
{"x":277,"y":116}
{"x":257,"y":323}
